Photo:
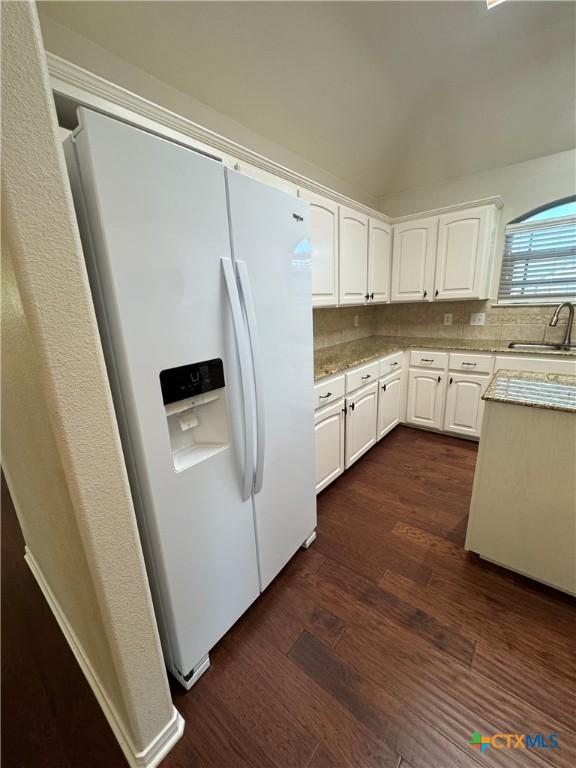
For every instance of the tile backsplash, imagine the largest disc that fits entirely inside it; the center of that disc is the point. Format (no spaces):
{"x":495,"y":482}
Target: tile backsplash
{"x":333,"y":326}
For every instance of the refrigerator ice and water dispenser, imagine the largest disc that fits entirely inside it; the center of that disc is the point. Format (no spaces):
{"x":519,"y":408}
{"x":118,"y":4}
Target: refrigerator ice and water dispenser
{"x":195,"y":408}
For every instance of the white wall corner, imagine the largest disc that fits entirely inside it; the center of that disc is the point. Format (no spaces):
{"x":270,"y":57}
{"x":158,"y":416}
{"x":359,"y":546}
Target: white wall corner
{"x":166,"y":738}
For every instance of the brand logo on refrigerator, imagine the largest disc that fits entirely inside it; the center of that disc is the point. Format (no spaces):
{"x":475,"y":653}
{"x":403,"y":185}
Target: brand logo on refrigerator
{"x":298,"y":218}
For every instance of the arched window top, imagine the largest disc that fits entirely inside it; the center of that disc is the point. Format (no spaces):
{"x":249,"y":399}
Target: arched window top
{"x":555,"y":210}
{"x":539,"y":262}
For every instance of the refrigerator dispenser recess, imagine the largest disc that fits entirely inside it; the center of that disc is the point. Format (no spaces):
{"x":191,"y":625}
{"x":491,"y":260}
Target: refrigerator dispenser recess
{"x":195,"y":408}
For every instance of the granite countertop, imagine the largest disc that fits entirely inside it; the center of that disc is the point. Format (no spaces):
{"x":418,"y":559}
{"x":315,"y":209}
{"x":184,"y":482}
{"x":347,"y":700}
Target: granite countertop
{"x":342,"y":356}
{"x":554,"y":391}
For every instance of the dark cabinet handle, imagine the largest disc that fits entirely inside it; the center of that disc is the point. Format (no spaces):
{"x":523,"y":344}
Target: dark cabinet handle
{"x":351,"y":406}
{"x":391,"y":364}
{"x":328,"y":394}
{"x":439,"y":379}
{"x":436,"y":292}
{"x":451,"y":379}
{"x":472,"y":364}
{"x":426,"y":359}
{"x":425,"y":294}
{"x":383,"y":387}
{"x":368,"y":375}
{"x":372,"y":297}
{"x":367,"y":296}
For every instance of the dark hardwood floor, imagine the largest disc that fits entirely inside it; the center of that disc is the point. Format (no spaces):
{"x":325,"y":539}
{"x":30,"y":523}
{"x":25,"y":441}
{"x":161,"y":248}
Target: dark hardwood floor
{"x":385,"y":644}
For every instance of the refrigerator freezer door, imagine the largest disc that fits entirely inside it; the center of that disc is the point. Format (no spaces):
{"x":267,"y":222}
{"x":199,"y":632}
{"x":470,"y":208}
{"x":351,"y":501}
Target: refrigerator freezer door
{"x":157,"y":218}
{"x":271,"y":249}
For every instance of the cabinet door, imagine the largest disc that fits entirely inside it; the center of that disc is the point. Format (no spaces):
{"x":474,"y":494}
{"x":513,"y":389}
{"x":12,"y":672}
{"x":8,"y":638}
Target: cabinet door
{"x":389,"y":401}
{"x":324,"y":229}
{"x":361,"y":415}
{"x":464,"y":254}
{"x":425,"y":398}
{"x":464,"y":404}
{"x":353,"y":287}
{"x":413,"y":257}
{"x":379,"y":255}
{"x":329,"y":433}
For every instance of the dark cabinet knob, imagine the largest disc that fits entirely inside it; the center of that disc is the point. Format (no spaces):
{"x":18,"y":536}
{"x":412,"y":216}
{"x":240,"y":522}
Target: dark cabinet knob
{"x":425,"y":294}
{"x":436,"y":292}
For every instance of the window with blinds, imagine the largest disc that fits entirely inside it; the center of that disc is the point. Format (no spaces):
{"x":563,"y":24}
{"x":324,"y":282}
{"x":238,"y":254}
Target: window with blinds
{"x":539,"y":262}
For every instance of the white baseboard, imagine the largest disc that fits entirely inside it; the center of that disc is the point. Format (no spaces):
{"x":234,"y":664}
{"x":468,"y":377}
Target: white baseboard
{"x":168,"y":736}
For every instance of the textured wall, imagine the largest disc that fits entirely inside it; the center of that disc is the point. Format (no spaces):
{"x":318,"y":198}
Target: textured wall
{"x":60,"y":443}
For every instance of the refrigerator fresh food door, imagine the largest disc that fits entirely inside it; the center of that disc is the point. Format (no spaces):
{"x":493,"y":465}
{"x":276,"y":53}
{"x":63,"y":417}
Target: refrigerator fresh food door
{"x":156,"y":216}
{"x":271,"y":251}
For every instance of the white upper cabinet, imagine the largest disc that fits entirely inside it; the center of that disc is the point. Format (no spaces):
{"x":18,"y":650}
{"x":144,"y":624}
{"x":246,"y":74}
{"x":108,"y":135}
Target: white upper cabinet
{"x":353,"y":280}
{"x":464,"y":254}
{"x":379,"y":257}
{"x":324,"y":232}
{"x":413,"y":260}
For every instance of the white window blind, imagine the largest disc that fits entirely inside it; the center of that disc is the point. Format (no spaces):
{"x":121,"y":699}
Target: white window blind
{"x":539,"y":261}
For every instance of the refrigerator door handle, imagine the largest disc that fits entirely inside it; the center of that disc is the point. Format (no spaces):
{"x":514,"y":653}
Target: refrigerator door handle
{"x":250,"y":310}
{"x":245,"y":375}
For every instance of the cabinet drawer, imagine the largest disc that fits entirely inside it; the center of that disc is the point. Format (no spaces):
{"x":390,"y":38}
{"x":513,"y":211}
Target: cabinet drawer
{"x":391,"y":364}
{"x":429,"y":359}
{"x":471,"y":363}
{"x":329,"y":390}
{"x":362,"y":376}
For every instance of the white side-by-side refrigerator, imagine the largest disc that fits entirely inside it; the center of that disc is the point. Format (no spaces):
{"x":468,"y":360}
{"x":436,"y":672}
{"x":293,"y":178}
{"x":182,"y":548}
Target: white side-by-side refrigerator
{"x":201,"y":279}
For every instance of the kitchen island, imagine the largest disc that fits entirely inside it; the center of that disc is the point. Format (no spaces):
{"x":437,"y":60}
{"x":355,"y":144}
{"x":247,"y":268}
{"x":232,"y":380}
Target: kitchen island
{"x":523,"y":509}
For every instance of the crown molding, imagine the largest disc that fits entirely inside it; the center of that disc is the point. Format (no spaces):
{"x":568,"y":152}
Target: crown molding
{"x":90,"y":90}
{"x":496,"y":200}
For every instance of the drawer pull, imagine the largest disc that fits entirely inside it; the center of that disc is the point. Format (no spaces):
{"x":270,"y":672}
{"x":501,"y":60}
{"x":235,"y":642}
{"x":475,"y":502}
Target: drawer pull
{"x":368,"y":376}
{"x":472,"y":364}
{"x":439,"y":379}
{"x":451,"y":380}
{"x":426,"y":359}
{"x":323,"y":397}
{"x":392,"y":364}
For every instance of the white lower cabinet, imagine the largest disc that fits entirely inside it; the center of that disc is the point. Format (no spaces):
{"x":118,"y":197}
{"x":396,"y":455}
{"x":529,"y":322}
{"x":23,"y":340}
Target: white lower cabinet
{"x":426,"y":391}
{"x":329,"y":432}
{"x":464,"y":404}
{"x":361,"y":415}
{"x":389,"y":403}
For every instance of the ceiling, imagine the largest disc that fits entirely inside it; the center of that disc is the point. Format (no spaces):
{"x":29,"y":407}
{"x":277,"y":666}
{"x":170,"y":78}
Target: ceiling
{"x":386,"y":95}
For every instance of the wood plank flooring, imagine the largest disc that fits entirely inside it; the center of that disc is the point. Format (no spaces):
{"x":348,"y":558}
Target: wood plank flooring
{"x":385,"y":644}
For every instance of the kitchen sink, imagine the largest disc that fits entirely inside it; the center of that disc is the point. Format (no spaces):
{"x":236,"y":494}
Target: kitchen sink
{"x":538,"y":345}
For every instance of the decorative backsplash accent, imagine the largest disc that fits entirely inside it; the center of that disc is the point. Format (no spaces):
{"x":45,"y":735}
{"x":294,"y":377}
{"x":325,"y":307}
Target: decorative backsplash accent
{"x":333,"y":326}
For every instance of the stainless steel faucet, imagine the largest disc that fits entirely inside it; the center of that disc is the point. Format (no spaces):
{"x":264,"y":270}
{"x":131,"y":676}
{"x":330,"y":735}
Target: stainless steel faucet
{"x":567,"y":340}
